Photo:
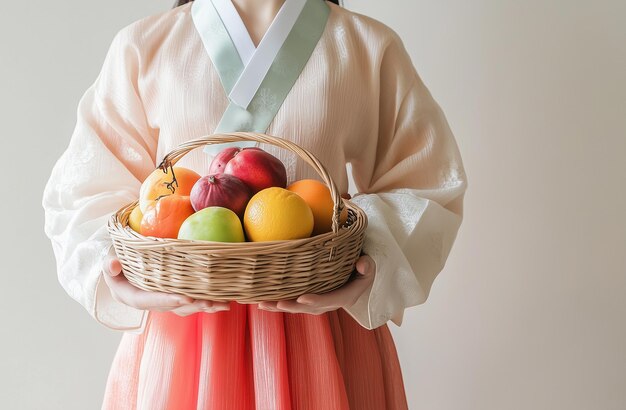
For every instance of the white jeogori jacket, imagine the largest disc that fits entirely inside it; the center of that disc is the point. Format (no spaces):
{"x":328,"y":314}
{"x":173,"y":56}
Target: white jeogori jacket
{"x":359,"y":101}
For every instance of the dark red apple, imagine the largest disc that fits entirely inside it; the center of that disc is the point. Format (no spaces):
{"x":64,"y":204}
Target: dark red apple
{"x":222,"y":190}
{"x":221,"y":159}
{"x":258,"y":169}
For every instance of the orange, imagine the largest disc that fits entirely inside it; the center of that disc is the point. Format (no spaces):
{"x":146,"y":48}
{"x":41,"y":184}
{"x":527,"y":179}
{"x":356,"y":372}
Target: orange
{"x":317,"y":195}
{"x":134,"y":219}
{"x":164,"y":218}
{"x":161,"y":183}
{"x":275,"y":214}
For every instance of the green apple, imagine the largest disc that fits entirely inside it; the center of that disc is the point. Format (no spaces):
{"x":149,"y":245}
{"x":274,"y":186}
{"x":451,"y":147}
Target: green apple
{"x":214,"y":223}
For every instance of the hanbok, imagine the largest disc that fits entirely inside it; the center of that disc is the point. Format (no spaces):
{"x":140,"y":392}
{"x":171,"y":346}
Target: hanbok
{"x":335,"y":82}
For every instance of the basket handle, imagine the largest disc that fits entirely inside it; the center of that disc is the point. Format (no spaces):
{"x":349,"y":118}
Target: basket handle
{"x":177,"y":153}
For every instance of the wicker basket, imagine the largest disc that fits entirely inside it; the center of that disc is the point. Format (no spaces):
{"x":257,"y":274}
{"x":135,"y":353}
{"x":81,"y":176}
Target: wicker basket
{"x":246,"y":272}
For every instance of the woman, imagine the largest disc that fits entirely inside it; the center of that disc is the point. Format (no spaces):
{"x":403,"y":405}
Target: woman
{"x":335,"y":82}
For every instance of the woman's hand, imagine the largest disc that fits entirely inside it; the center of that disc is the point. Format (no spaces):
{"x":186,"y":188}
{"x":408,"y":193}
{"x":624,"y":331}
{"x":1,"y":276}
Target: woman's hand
{"x":124,"y":292}
{"x":345,"y":296}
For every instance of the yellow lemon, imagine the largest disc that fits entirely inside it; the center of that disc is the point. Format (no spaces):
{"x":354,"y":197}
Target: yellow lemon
{"x":134,"y":219}
{"x":275,"y":214}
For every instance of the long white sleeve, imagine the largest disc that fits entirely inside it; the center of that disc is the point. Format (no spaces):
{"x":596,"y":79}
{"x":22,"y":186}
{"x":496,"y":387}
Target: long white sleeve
{"x":111,"y":151}
{"x":411,"y":187}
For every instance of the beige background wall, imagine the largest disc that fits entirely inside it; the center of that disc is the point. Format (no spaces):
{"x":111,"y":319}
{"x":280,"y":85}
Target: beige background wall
{"x":528,"y":314}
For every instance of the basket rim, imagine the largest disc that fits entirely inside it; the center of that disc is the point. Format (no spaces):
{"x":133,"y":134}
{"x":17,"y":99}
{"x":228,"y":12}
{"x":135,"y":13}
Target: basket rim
{"x":115,"y":225}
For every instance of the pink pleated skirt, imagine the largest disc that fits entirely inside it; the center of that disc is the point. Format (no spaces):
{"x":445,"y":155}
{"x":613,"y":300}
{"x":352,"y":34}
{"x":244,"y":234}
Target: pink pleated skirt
{"x":247,"y":358}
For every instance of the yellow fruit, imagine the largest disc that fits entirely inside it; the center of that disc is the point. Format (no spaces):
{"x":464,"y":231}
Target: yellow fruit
{"x":275,"y":214}
{"x":134,"y":219}
{"x":317,"y":195}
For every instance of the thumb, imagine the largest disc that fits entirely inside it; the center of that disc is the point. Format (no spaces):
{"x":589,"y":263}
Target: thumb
{"x":364,"y":265}
{"x":112,"y":266}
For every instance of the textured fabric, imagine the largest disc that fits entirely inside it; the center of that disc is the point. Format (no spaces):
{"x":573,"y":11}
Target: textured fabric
{"x":274,"y":66}
{"x":246,"y":359}
{"x":358,"y":100}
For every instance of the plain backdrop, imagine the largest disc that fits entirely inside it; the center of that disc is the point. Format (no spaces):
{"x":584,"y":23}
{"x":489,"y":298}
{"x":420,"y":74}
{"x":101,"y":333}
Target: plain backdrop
{"x":529,"y":311}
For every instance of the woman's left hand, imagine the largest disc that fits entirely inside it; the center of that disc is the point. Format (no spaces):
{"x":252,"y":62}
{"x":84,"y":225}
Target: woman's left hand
{"x":345,"y":296}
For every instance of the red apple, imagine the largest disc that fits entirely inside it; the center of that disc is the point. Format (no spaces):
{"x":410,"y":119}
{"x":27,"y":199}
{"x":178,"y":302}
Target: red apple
{"x":257,"y":168}
{"x":222,"y":190}
{"x":221,"y":159}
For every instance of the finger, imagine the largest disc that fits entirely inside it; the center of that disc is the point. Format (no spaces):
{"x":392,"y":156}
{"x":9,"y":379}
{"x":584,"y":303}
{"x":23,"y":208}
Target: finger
{"x":268,"y":306}
{"x":147,"y":300}
{"x":186,"y":310}
{"x":321,"y":301}
{"x":132,"y":296}
{"x":117,"y":284}
{"x":209,"y":306}
{"x":365,"y":265}
{"x":346,"y":295}
{"x":206,"y":306}
{"x":112,"y":266}
{"x":333,"y":299}
{"x":196,"y":306}
{"x":292,"y":306}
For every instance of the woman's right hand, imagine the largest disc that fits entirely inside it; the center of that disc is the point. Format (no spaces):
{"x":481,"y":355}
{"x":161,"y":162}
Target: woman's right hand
{"x":124,"y":292}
